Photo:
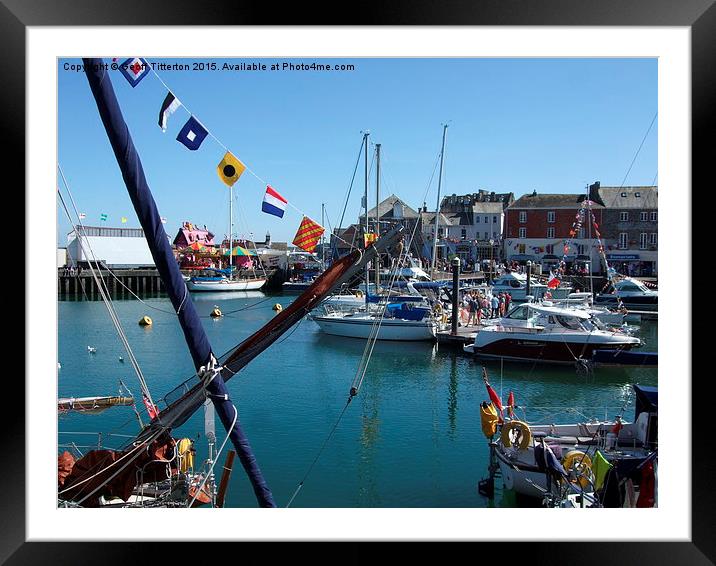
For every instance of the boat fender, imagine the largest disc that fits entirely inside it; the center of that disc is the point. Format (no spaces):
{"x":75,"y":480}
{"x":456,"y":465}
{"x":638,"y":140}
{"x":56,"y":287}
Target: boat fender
{"x":578,"y":462}
{"x":185,"y":451}
{"x":145,"y":321}
{"x":359,"y":293}
{"x":488,"y":419}
{"x":277,"y":307}
{"x":216,"y":313}
{"x":523,"y":436}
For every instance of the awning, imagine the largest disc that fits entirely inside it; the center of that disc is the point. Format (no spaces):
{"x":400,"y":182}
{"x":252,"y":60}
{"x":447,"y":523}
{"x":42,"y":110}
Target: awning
{"x":239,"y":251}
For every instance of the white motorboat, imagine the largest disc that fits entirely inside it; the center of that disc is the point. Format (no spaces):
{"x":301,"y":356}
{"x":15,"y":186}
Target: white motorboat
{"x":395,"y":321}
{"x":516,"y":285}
{"x":520,"y":450}
{"x":632,"y":293}
{"x":539,"y":333}
{"x":584,"y":301}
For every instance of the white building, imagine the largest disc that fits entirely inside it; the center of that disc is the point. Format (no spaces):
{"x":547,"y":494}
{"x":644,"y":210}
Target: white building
{"x":115,"y":247}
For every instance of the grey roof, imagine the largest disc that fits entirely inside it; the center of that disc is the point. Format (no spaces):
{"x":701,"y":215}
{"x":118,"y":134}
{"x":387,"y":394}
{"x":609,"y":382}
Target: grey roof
{"x":545,"y":201}
{"x":386,"y":209}
{"x":429,"y":217}
{"x":612,"y":197}
{"x":487,"y":207}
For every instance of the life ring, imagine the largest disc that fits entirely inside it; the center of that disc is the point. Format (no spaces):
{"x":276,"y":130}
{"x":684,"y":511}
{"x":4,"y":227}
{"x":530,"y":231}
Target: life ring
{"x":277,"y":307}
{"x":216,"y":313}
{"x":145,"y":321}
{"x":578,"y":462}
{"x":523,"y":436}
{"x":359,"y":293}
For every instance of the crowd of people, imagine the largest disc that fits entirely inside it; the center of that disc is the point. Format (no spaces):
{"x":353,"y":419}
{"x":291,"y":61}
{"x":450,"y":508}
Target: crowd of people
{"x":479,"y":306}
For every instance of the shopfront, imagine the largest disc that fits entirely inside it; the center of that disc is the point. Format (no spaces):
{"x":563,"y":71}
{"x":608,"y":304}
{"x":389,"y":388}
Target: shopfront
{"x":634,"y":264}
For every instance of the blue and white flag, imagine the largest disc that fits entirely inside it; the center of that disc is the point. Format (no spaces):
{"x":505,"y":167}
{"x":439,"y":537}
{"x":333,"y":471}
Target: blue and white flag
{"x":134,"y":70}
{"x":192,"y":134}
{"x":169,"y":106}
{"x":273,"y":202}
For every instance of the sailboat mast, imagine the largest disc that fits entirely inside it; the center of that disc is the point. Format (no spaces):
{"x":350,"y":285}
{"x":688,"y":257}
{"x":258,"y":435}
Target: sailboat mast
{"x":323,"y":239}
{"x":437,"y":208}
{"x":589,"y":235}
{"x":377,"y":214}
{"x":365,"y":229}
{"x":231,"y":229}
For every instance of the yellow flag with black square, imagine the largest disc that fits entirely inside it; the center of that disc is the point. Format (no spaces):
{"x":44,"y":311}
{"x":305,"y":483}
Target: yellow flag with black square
{"x":230,"y":169}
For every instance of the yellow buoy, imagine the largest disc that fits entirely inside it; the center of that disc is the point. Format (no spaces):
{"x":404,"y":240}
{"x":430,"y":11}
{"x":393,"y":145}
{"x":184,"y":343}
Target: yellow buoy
{"x":216,"y":313}
{"x":277,"y":307}
{"x":145,"y":321}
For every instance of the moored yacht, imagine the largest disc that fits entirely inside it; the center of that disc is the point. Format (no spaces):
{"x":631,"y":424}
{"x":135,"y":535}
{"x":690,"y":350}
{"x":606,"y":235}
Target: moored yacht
{"x":632,"y":293}
{"x":516,"y":285}
{"x":535,"y":332}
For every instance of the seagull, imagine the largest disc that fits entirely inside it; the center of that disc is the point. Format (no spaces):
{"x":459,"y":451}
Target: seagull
{"x":91,"y":349}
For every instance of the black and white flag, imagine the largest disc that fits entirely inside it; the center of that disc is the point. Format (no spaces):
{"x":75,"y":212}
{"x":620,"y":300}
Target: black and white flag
{"x":169,"y":106}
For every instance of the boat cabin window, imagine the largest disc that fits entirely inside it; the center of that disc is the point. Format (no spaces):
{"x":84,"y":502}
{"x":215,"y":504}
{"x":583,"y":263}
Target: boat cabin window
{"x":515,"y":284}
{"x":569,"y":322}
{"x":520,"y":312}
{"x":629,"y":287}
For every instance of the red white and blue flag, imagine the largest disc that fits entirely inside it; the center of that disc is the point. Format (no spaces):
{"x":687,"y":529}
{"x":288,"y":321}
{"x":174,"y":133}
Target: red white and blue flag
{"x":273,"y":203}
{"x":134,"y":70}
{"x":553,"y":282}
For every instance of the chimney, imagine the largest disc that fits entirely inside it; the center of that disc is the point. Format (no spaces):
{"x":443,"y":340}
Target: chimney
{"x":594,"y":193}
{"x":534,"y":192}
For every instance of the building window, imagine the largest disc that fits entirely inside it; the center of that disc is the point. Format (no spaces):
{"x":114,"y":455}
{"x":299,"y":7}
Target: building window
{"x":549,"y":249}
{"x":623,"y":240}
{"x":523,"y":216}
{"x":644,"y":216}
{"x":550,"y":216}
{"x":643,"y":239}
{"x":550,"y":232}
{"x":623,"y":217}
{"x":623,"y":195}
{"x":523,"y":232}
{"x":487,"y":219}
{"x":463,"y":233}
{"x":440,"y":232}
{"x":653,"y":216}
{"x":652,"y":239}
{"x":494,"y":219}
{"x":477,"y":220}
{"x":494,"y":235}
{"x":487,"y":236}
{"x":637,"y":195}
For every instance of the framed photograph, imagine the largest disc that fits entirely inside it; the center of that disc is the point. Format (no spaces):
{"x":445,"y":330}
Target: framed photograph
{"x":519,"y":151}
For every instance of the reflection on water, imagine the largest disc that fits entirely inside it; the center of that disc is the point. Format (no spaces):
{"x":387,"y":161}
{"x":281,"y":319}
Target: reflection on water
{"x":411,"y":438}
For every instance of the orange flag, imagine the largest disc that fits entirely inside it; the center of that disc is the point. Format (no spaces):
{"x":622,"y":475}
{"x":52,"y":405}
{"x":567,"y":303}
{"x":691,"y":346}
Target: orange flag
{"x":368,"y":239}
{"x":309,"y":232}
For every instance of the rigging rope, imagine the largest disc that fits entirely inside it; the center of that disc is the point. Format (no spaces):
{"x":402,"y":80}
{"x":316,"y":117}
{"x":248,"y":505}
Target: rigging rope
{"x":101,"y":287}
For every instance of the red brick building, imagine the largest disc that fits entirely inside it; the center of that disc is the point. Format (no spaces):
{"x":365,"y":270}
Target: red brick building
{"x":537,"y":225}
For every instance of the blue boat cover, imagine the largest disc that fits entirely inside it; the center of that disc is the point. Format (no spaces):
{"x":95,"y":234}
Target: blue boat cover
{"x":146,"y":209}
{"x":647,"y":400}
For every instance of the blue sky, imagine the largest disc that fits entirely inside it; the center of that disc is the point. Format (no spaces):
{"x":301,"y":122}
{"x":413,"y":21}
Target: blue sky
{"x":517,"y":125}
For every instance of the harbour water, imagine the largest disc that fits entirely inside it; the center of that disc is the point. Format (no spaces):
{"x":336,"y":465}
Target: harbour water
{"x":411,"y":438}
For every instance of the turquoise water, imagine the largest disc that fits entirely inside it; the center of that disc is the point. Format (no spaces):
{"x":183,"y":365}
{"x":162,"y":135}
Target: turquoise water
{"x":411,"y":438}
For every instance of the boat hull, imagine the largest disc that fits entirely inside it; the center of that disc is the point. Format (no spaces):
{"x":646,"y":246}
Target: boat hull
{"x":536,"y":350}
{"x":226,"y":285}
{"x":390,"y":329}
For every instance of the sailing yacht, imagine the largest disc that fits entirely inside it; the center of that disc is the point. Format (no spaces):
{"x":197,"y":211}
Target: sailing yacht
{"x":379,"y":317}
{"x":224,"y":280}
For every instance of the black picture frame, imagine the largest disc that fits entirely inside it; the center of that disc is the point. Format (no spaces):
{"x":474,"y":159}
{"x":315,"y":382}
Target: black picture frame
{"x":699,"y":15}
